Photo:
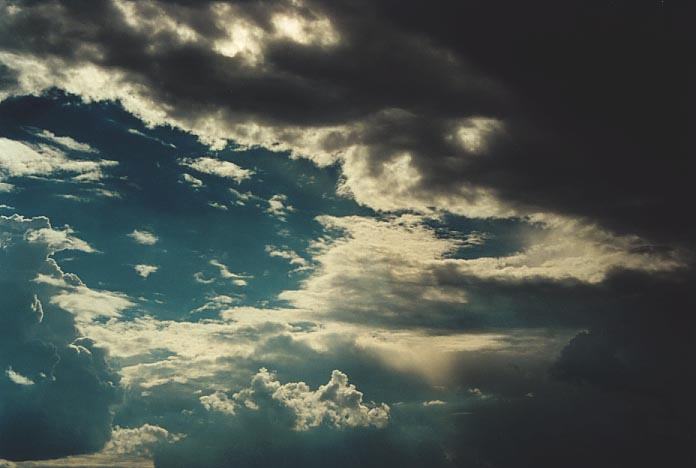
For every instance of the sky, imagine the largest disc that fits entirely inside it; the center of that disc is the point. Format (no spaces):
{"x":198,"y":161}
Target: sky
{"x":305,"y":233}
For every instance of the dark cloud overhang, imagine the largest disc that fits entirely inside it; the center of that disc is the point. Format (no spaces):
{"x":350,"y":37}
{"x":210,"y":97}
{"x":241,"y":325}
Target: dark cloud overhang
{"x":592,"y":94}
{"x":595,"y":98}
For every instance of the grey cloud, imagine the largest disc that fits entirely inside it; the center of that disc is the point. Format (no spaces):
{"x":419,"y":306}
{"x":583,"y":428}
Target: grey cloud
{"x":401,"y":78}
{"x":66,"y":409}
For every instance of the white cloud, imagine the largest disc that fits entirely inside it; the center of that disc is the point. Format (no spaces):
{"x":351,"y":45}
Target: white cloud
{"x":200,"y":278}
{"x":85,"y":303}
{"x":337,"y":404}
{"x":58,"y":240}
{"x":145,"y":270}
{"x":567,"y":249}
{"x":376,"y":269}
{"x":289,"y":255}
{"x":64,"y":289}
{"x":217,"y":167}
{"x":143,"y":237}
{"x":18,"y":378}
{"x":317,"y":30}
{"x":434,"y":403}
{"x":391,"y":268}
{"x":192,"y":181}
{"x":247,"y":41}
{"x":475,"y":238}
{"x":66,"y":142}
{"x":82,"y":461}
{"x":128,"y":448}
{"x":218,"y":206}
{"x":196,"y":351}
{"x":219,"y":402}
{"x":216,"y":303}
{"x":22,"y":159}
{"x":236,"y":278}
{"x":382,"y":182}
{"x":139,"y":440}
{"x":243,"y":197}
{"x":278,"y":206}
{"x":134,"y":131}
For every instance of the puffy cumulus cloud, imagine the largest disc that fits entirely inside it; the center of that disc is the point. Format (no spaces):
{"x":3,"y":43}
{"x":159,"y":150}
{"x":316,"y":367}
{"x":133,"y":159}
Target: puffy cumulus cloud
{"x":145,"y":270}
{"x":220,"y":168}
{"x":143,"y":237}
{"x":138,"y":440}
{"x":57,"y":387}
{"x":24,"y":159}
{"x":337,"y":404}
{"x":218,"y":401}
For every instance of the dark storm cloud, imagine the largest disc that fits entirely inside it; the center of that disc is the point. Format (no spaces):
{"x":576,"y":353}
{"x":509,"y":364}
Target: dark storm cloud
{"x":591,"y":94}
{"x":55,"y":386}
{"x":593,"y":100}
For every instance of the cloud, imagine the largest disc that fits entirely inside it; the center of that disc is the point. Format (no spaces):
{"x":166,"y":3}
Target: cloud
{"x":216,"y":303}
{"x":84,"y":303}
{"x":429,"y":110}
{"x":134,"y":131}
{"x":23,"y":159}
{"x":18,"y":378}
{"x":278,"y":206}
{"x":145,"y":270}
{"x":192,"y":181}
{"x":138,"y":440}
{"x":58,"y":240}
{"x":399,"y":272}
{"x":219,"y":402}
{"x":337,"y":404}
{"x":218,"y":206}
{"x":311,"y":78}
{"x":434,"y":403}
{"x":289,"y":255}
{"x":65,"y":141}
{"x":200,"y":278}
{"x":567,"y":249}
{"x":58,"y":387}
{"x":143,"y":237}
{"x":218,"y":168}
{"x":127,"y":448}
{"x":225,"y":273}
